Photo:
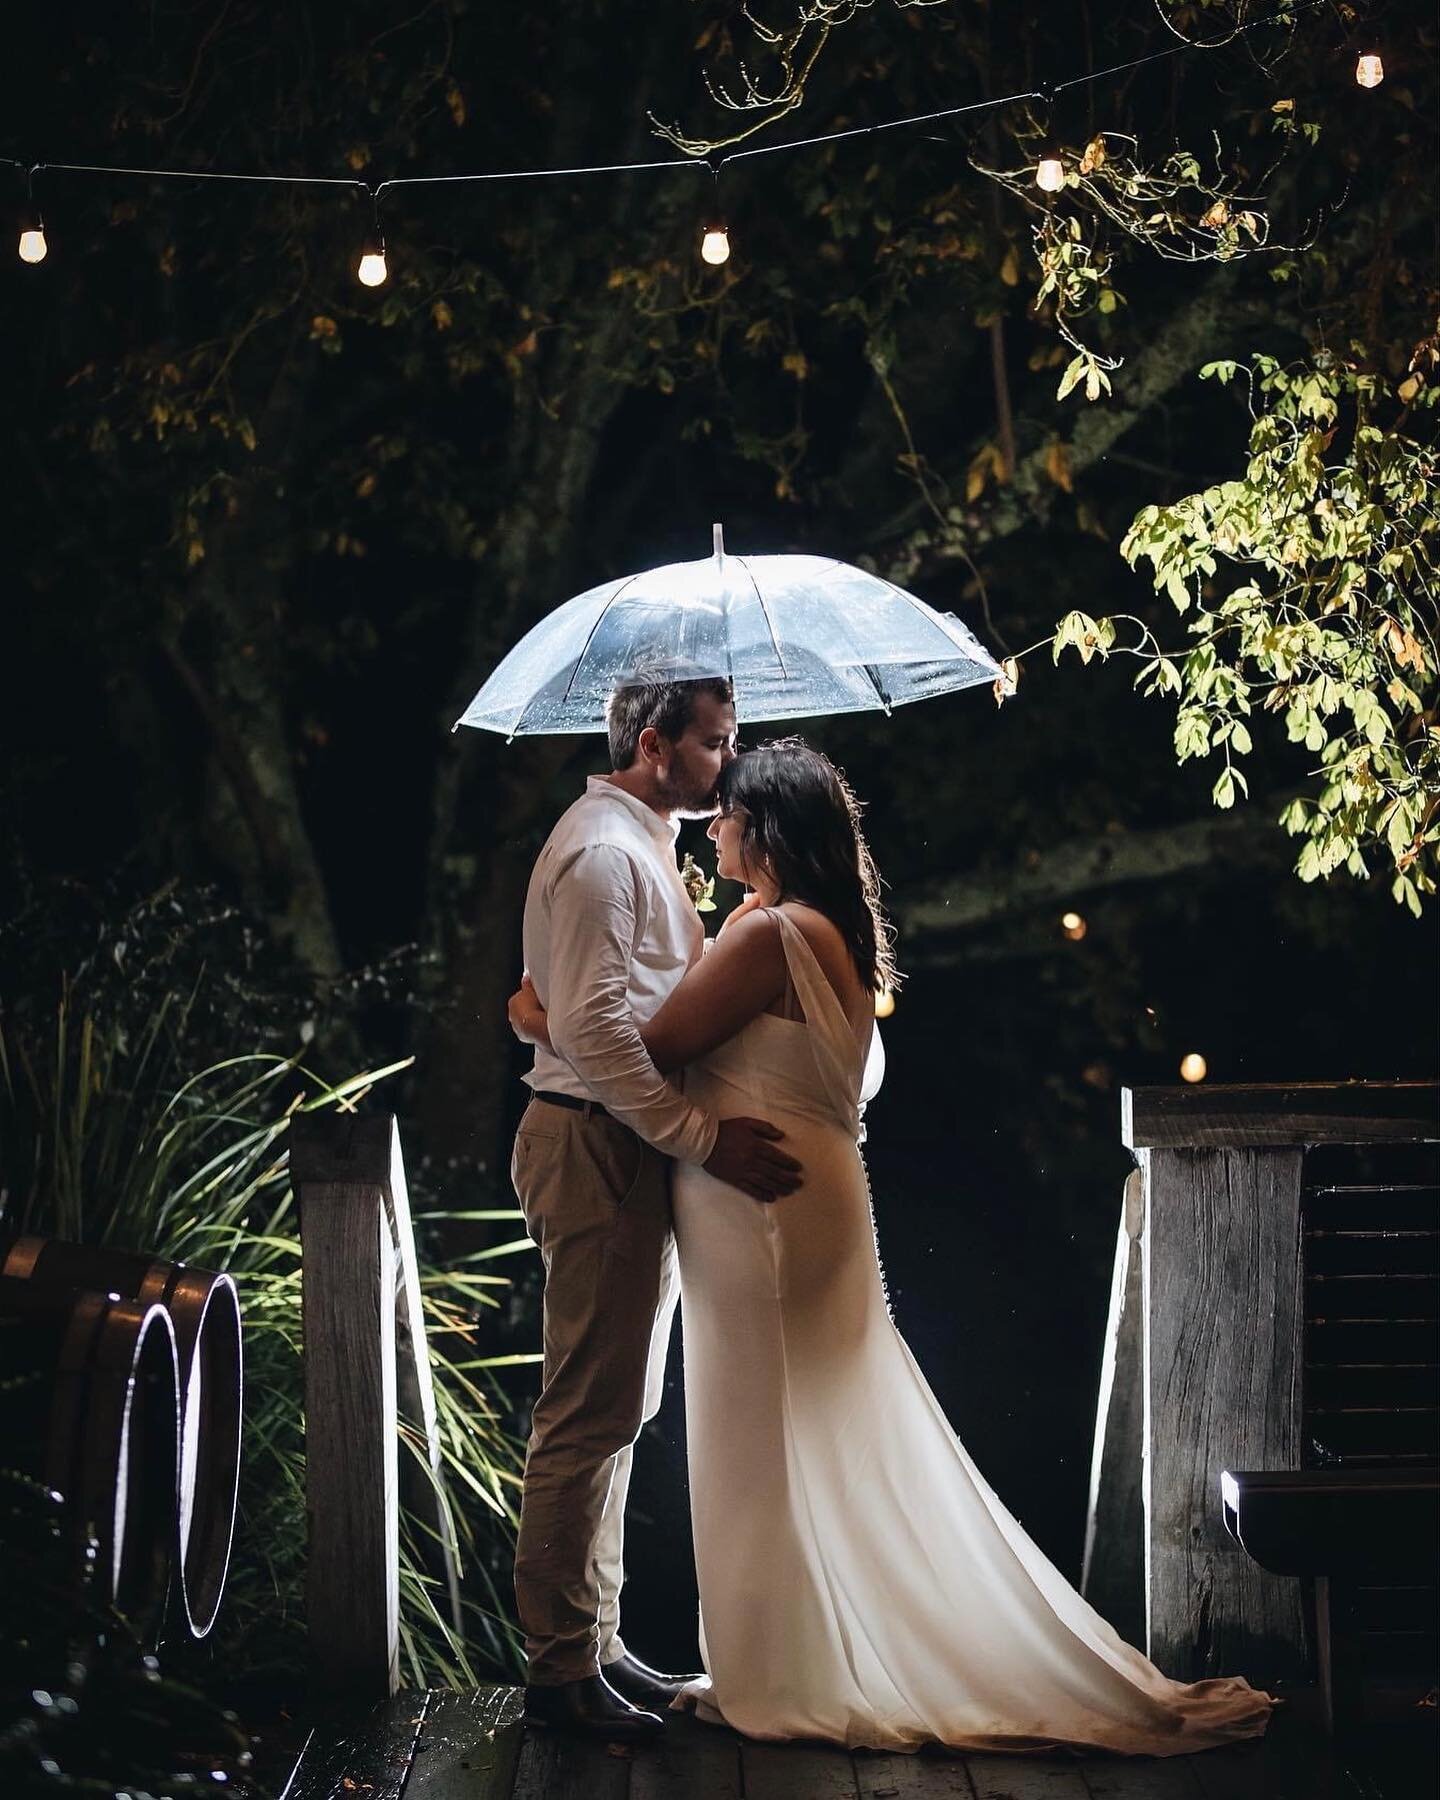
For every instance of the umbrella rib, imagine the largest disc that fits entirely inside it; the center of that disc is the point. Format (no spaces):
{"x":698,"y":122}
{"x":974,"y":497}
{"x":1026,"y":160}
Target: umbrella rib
{"x":769,"y":622}
{"x":911,"y":600}
{"x":874,"y":680}
{"x":629,"y":581}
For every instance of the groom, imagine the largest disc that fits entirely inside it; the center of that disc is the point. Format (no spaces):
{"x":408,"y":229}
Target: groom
{"x":609,"y":932}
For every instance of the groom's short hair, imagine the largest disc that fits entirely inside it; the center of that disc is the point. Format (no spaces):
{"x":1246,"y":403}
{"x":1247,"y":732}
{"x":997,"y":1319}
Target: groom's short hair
{"x":663,"y":697}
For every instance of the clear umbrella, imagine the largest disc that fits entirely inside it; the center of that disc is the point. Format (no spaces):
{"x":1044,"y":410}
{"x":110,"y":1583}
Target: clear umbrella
{"x":797,"y":636}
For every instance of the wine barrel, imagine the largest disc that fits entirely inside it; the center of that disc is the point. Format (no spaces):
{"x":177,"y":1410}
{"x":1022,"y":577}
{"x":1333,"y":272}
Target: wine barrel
{"x":205,"y":1312}
{"x":90,"y":1392}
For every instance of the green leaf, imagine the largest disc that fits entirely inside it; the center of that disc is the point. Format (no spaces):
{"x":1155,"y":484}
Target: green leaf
{"x":1074,"y":369}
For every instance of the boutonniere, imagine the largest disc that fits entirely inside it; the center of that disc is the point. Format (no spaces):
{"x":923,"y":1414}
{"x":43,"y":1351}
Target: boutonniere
{"x":700,"y":890}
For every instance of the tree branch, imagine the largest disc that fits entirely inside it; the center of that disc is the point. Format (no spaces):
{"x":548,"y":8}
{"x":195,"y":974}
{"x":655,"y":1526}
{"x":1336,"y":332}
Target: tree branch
{"x":931,"y":916}
{"x":1192,"y":334}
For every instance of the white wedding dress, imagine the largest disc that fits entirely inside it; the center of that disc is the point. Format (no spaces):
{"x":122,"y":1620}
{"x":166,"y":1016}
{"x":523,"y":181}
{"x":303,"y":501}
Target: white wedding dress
{"x":859,"y":1581}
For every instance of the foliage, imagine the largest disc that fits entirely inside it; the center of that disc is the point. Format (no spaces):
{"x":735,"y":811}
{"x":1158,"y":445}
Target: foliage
{"x":1335,"y":629}
{"x":109,"y":1134}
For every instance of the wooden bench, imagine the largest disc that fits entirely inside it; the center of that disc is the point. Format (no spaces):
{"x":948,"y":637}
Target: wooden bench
{"x":1347,"y":1529}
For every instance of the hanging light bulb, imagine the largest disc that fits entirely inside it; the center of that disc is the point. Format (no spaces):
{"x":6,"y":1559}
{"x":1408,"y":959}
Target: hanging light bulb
{"x":371,"y":269}
{"x":715,"y":243}
{"x":32,"y":246}
{"x":1073,"y":925}
{"x":1369,"y":69}
{"x":884,"y":1003}
{"x":1193,"y":1067}
{"x":1050,"y":173}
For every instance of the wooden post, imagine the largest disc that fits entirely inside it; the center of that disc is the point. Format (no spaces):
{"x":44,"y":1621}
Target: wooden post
{"x":1224,"y":1323}
{"x":1222,"y":1351}
{"x":361,"y":1299}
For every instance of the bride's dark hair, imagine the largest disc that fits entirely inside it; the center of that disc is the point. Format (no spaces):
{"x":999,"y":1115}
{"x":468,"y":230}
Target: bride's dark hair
{"x":802,"y":818}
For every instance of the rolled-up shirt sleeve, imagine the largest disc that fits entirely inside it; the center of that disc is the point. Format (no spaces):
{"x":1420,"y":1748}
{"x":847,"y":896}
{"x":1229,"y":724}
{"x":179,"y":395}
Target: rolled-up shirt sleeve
{"x":597,"y":916}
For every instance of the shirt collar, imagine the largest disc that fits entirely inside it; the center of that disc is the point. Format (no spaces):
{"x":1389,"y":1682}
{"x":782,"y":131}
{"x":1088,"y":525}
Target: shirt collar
{"x":664,"y":831}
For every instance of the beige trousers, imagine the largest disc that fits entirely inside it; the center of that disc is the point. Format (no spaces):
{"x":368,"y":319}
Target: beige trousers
{"x":596,"y":1200}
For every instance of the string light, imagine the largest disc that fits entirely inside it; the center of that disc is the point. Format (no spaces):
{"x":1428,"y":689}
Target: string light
{"x":1193,"y":1067}
{"x":32,"y":246}
{"x":372,"y":269}
{"x":1073,"y":926}
{"x":884,"y":1003}
{"x":715,"y":238}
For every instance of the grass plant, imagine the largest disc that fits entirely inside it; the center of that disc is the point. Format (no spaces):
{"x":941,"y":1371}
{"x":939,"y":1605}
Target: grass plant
{"x":109,"y":1135}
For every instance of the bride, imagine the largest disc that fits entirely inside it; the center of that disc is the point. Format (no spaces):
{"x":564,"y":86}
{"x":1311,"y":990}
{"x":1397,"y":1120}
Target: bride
{"x":859,"y":1581}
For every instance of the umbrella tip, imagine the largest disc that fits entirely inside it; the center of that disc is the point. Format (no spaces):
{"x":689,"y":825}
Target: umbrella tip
{"x":719,"y":531}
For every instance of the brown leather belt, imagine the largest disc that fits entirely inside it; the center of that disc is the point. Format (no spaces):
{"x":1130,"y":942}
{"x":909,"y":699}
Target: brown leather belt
{"x":573,"y":1101}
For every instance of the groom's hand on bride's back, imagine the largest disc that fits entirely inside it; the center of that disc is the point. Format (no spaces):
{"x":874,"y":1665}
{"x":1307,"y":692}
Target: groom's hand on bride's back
{"x":745,"y":1156}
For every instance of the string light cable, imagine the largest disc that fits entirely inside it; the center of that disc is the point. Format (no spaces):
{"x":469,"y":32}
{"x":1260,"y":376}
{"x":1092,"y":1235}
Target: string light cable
{"x":372,"y":268}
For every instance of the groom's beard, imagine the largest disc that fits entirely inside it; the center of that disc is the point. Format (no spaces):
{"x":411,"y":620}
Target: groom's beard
{"x":682,"y":798}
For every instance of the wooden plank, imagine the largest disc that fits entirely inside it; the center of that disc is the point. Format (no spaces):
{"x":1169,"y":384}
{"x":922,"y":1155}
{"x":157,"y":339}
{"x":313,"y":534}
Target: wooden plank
{"x":555,"y":1766}
{"x":1223,"y":1117}
{"x":1223,"y":1327}
{"x":351,"y":1497}
{"x":797,"y":1772}
{"x":1293,"y":1761}
{"x":1238,"y":1774}
{"x":690,"y":1761}
{"x":469,"y":1745}
{"x":365,"y":1751}
{"x":1143,"y":1778}
{"x":1025,"y":1778}
{"x":1113,"y":1572}
{"x":888,"y":1775}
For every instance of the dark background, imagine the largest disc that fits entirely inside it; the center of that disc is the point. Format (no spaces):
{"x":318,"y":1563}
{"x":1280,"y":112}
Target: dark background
{"x":204,"y":680}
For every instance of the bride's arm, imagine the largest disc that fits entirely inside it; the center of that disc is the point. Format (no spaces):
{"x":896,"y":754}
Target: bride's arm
{"x":742,"y":973}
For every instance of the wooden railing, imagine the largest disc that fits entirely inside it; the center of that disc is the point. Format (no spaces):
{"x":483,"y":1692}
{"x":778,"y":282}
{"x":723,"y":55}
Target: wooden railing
{"x":1204,"y":1358}
{"x":366,"y":1369}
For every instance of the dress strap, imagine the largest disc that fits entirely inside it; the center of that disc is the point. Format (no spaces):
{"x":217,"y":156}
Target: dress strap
{"x":840,"y":1057}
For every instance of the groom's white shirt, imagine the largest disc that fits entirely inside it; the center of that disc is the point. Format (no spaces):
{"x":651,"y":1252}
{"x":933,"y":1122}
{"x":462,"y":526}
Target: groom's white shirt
{"x":609,"y":932}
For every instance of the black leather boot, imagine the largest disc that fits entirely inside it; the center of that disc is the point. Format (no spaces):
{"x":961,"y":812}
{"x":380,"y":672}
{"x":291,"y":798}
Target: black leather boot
{"x":642,"y":1685}
{"x":592,"y":1707}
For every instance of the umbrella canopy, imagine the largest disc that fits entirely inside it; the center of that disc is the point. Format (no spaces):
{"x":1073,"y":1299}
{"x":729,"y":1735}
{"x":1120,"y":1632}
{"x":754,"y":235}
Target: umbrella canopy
{"x":797,"y":636}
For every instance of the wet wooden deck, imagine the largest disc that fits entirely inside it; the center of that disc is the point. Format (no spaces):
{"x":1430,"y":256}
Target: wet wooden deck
{"x":447,"y":1745}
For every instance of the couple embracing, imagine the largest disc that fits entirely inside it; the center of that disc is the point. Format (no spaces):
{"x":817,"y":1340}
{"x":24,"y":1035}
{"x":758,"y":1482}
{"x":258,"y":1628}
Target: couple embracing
{"x":692,"y":1132}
